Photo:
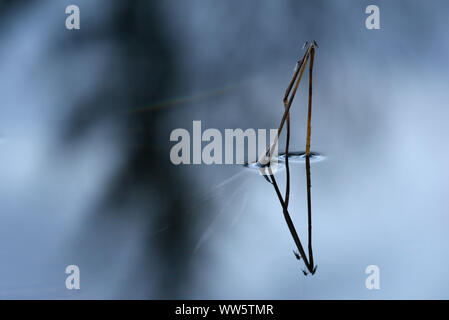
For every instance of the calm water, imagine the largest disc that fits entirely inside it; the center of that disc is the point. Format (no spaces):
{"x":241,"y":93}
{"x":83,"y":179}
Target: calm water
{"x":86,"y":180}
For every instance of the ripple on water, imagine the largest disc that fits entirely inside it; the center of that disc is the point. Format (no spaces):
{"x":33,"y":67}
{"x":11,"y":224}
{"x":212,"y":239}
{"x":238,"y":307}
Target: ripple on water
{"x":258,"y":167}
{"x":300,"y":157}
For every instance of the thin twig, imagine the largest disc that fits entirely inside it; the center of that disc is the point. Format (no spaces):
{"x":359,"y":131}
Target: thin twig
{"x":303,"y":63}
{"x":309,"y":113}
{"x":287,"y":143}
{"x":288,"y":100}
{"x":309,"y":210}
{"x":309,"y":132}
{"x":290,"y":224}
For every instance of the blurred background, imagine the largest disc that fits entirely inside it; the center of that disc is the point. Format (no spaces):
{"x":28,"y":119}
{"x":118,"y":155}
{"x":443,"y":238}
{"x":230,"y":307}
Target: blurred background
{"x":86,"y":178}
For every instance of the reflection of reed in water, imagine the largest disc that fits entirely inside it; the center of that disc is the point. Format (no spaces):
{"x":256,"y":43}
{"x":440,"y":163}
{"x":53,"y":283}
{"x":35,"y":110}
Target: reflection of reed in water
{"x":288,"y":99}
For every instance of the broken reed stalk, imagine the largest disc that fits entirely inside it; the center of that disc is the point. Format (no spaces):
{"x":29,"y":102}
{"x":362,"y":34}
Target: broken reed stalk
{"x":287,"y":104}
{"x":289,"y":222}
{"x":300,"y":67}
{"x":309,"y":209}
{"x":309,"y":112}
{"x":309,"y":132}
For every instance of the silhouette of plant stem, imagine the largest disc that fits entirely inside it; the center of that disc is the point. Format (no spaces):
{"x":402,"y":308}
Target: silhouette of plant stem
{"x":288,"y":99}
{"x":309,"y":208}
{"x":309,"y":132}
{"x":300,"y":69}
{"x":289,"y":222}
